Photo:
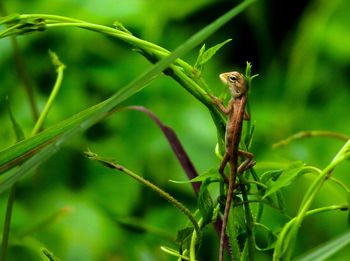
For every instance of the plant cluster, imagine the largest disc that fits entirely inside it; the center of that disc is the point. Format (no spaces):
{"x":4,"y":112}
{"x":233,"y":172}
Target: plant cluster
{"x":255,"y":189}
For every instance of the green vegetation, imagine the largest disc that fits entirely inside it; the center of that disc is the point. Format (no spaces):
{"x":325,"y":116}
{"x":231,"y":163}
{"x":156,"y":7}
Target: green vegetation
{"x":119,"y":57}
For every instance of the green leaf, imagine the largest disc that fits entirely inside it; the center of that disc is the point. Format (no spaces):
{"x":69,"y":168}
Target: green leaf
{"x":348,"y":199}
{"x":205,"y":56}
{"x":271,"y":174}
{"x":49,"y":256}
{"x":121,"y":27}
{"x":236,"y":226}
{"x":16,"y":127}
{"x":211,"y":174}
{"x":199,"y":58}
{"x":281,"y":202}
{"x":327,"y":249}
{"x":288,"y":175}
{"x":205,"y":203}
{"x":9,"y":19}
{"x":183,"y":237}
{"x":15,"y":154}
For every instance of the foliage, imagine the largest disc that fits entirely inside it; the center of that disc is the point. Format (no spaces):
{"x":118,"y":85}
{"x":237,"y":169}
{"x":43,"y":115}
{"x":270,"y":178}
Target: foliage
{"x":277,"y":208}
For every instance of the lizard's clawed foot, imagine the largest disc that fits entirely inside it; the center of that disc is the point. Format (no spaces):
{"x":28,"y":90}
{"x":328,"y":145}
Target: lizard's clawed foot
{"x":214,"y":98}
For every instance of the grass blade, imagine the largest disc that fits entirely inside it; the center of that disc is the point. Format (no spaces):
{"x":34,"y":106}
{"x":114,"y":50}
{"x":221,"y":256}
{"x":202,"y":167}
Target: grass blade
{"x":327,"y":249}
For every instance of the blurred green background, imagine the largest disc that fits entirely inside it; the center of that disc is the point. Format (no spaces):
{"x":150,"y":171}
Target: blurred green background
{"x":302,"y":54}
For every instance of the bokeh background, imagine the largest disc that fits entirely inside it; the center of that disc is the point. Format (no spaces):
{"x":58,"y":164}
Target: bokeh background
{"x":301,"y":51}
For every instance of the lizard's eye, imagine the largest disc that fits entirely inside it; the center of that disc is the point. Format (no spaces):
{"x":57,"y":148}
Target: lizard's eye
{"x":232,"y":78}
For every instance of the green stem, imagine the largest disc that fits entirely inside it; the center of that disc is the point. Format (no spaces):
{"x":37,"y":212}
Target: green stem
{"x":309,"y":134}
{"x":49,"y":103}
{"x":259,"y":184}
{"x":5,"y":236}
{"x":335,"y":180}
{"x":291,"y":222}
{"x":112,"y":164}
{"x":193,"y":246}
{"x":192,"y":84}
{"x":154,"y":54}
{"x":286,"y":241}
{"x":22,"y":71}
{"x":36,"y":128}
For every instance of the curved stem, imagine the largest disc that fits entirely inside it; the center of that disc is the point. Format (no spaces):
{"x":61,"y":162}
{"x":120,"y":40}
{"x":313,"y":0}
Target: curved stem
{"x":286,"y":241}
{"x":112,"y":164}
{"x":309,"y":134}
{"x":335,"y":180}
{"x":49,"y":102}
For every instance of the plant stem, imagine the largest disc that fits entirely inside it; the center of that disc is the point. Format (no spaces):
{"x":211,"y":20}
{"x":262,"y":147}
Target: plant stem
{"x":5,"y":236}
{"x":112,"y":164}
{"x":49,"y":102}
{"x":337,"y":181}
{"x":22,"y":70}
{"x":36,"y":128}
{"x":309,"y":134}
{"x":154,"y":53}
{"x":286,"y":240}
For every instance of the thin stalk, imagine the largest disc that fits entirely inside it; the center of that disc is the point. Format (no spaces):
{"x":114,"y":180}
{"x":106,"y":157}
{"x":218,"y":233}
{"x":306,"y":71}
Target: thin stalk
{"x":286,"y":240}
{"x":49,"y":102}
{"x":291,"y":222}
{"x":11,"y":199}
{"x":112,"y":164}
{"x":5,"y":236}
{"x":335,"y":180}
{"x":174,"y":252}
{"x":193,"y":246}
{"x":22,"y":70}
{"x":309,"y":134}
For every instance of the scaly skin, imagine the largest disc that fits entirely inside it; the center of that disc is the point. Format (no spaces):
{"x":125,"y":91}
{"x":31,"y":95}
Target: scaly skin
{"x":236,"y":114}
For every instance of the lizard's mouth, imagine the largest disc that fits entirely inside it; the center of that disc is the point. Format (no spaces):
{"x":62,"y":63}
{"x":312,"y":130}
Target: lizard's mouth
{"x":223,"y":78}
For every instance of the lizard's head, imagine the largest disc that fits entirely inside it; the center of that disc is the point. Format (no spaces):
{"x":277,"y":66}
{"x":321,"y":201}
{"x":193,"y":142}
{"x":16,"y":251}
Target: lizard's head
{"x":235,"y":82}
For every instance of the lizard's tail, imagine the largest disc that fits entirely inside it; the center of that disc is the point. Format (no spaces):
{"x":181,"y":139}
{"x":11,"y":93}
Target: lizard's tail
{"x":233,"y":170}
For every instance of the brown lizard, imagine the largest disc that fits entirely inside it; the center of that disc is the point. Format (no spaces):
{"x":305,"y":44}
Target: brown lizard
{"x":236,"y":114}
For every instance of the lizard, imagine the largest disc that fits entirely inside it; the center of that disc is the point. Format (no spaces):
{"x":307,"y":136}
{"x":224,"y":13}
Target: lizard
{"x":236,"y":114}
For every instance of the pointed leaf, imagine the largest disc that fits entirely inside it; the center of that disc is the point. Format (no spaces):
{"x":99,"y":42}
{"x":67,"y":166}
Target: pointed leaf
{"x":205,"y":204}
{"x":199,"y":58}
{"x":176,"y":146}
{"x":281,"y":202}
{"x":208,"y":54}
{"x":270,"y":175}
{"x":49,"y":256}
{"x":183,"y":237}
{"x":236,"y":226}
{"x":212,"y":174}
{"x":288,"y":175}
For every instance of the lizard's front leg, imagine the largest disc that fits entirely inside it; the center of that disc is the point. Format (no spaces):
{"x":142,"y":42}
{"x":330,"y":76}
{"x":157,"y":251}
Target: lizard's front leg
{"x":220,"y":105}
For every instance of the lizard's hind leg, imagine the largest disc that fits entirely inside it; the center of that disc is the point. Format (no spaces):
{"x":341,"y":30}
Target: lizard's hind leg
{"x":223,"y":165}
{"x":248,"y":163}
